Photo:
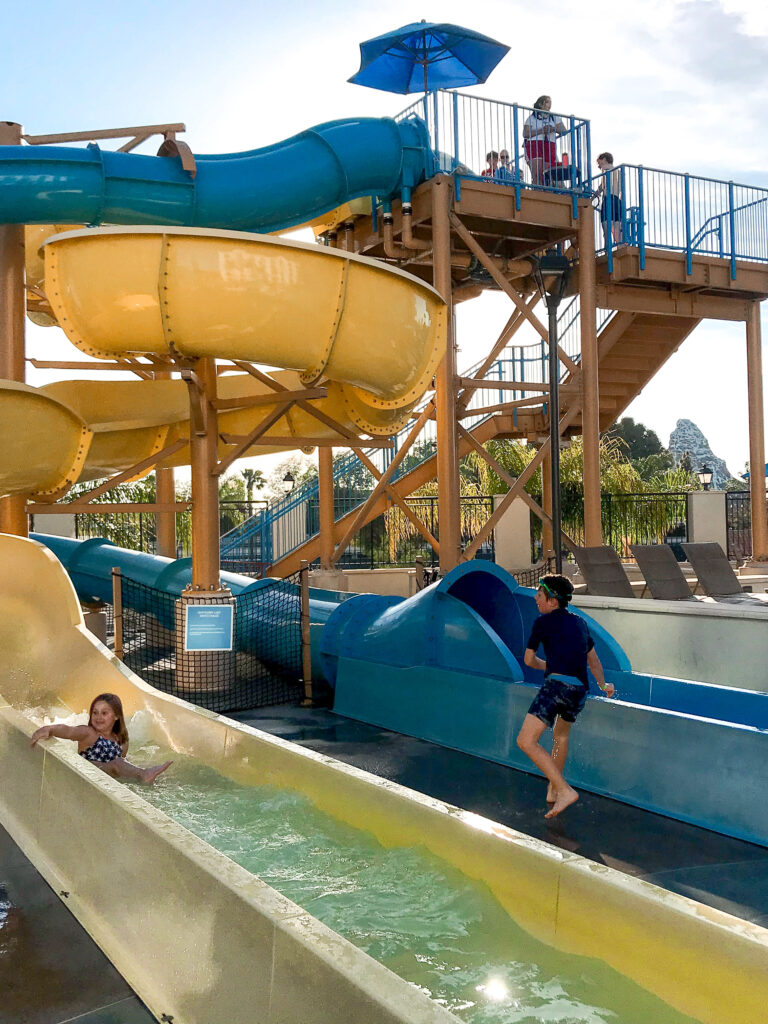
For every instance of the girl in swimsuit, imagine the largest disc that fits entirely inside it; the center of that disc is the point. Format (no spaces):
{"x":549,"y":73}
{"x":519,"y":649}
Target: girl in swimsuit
{"x":104,"y":741}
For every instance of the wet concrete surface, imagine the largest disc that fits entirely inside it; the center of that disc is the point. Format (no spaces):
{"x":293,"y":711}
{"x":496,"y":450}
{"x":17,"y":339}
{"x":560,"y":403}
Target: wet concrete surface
{"x":51,"y":971}
{"x":726,"y":873}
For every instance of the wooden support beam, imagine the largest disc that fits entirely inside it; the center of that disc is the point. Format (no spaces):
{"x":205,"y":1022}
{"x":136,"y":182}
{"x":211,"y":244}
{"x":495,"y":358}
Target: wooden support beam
{"x":448,"y":481}
{"x":104,"y":133}
{"x":502,"y":407}
{"x":309,"y":441}
{"x":400,"y":502}
{"x":101,"y":507}
{"x":756,"y":436}
{"x":382,"y":483}
{"x":590,"y":402}
{"x":511,"y":481}
{"x":503,"y":385}
{"x":13,"y":518}
{"x":258,"y":431}
{"x":508,"y":289}
{"x":128,"y":474}
{"x":318,"y":414}
{"x":515,"y":492}
{"x":283,"y":398}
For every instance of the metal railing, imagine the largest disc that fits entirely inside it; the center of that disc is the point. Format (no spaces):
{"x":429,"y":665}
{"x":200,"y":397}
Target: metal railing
{"x":138,"y":530}
{"x":651,"y":208}
{"x":392,"y":540}
{"x":659,"y":517}
{"x":738,"y":524}
{"x":464,"y":130}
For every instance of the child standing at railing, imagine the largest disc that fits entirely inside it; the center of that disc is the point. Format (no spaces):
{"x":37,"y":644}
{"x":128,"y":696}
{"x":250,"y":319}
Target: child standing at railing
{"x":612,"y":203}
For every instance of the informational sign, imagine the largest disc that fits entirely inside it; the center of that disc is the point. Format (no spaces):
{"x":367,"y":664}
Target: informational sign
{"x":209,"y":627}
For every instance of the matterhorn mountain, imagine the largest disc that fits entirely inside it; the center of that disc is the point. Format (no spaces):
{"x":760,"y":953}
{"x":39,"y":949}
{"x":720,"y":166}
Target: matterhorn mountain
{"x":686,"y":437}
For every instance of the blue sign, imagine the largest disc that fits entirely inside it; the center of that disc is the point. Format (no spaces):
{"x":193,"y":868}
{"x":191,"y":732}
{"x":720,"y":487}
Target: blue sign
{"x":209,"y":627}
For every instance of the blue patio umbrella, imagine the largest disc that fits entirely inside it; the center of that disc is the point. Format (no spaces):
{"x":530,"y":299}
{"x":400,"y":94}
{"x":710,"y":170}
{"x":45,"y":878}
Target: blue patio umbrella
{"x":427,"y":56}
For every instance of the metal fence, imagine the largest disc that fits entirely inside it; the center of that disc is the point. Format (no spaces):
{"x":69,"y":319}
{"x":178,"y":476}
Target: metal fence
{"x":545,"y":150}
{"x":647,"y":518}
{"x":391,"y":539}
{"x":138,"y":530}
{"x":738,"y":524}
{"x":650,"y":208}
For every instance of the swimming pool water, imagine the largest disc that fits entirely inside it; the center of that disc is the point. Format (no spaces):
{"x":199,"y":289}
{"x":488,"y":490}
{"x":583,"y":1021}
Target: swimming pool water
{"x":414,"y":913}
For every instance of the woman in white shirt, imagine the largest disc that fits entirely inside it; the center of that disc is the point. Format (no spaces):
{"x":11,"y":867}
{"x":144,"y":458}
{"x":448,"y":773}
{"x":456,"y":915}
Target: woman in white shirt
{"x":540,"y":133}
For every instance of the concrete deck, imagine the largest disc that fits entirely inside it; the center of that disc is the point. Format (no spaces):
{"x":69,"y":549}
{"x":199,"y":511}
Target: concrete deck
{"x":51,"y":971}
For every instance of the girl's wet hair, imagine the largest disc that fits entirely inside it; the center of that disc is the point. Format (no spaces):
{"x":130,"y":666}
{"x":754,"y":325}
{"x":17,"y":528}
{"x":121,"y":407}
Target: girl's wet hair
{"x":119,"y":730}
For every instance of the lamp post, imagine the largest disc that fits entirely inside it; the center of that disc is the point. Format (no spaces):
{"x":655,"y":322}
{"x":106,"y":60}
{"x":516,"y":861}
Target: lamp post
{"x":705,"y":477}
{"x":551,"y":276}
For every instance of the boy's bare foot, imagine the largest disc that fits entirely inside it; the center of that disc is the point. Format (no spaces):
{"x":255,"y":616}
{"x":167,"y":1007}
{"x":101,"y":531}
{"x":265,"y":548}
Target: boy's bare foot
{"x":563,"y":800}
{"x":150,"y":774}
{"x":551,"y":795}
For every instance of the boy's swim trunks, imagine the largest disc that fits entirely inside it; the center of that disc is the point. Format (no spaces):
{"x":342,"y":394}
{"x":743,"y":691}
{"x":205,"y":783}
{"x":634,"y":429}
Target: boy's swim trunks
{"x":558,"y":698}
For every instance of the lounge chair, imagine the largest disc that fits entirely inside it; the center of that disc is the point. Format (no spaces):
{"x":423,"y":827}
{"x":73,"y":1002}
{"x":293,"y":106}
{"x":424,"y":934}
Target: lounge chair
{"x":714,"y":571}
{"x":661,"y":571}
{"x":604,"y":574}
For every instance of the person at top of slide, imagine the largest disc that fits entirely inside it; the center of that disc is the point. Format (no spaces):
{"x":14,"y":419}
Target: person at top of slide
{"x":568,"y":648}
{"x":104,"y":741}
{"x":540,"y":133}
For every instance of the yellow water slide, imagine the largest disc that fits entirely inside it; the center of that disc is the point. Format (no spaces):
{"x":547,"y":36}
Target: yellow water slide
{"x":370,"y":334}
{"x":201,"y":939}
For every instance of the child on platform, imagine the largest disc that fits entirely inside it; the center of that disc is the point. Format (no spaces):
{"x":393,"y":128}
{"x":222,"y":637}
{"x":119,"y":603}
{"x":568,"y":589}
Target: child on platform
{"x":569,"y":649}
{"x":104,"y":741}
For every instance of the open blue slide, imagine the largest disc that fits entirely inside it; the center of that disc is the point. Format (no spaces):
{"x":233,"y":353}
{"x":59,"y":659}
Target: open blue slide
{"x":263,"y":190}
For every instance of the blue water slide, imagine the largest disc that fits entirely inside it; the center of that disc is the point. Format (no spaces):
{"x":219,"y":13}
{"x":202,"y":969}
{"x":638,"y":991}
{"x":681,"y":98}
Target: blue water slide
{"x":260,"y":190}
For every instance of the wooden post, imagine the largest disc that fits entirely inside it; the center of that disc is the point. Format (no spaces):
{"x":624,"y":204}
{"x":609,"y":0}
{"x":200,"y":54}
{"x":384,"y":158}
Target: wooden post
{"x":306,"y":651}
{"x":117,"y":609}
{"x":13,"y":516}
{"x":205,"y":482}
{"x":546,"y":504}
{"x":590,"y":405}
{"x":165,"y":494}
{"x":165,"y":490}
{"x":325,"y":496}
{"x":449,"y":517}
{"x":756,"y":435}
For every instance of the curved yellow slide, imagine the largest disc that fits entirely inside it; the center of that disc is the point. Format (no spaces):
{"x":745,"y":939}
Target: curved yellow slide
{"x":370,"y":334}
{"x":244,"y":943}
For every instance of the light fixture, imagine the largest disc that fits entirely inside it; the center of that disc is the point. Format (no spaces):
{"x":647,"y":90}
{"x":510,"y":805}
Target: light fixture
{"x":551,"y":272}
{"x":289,"y":482}
{"x":705,"y":477}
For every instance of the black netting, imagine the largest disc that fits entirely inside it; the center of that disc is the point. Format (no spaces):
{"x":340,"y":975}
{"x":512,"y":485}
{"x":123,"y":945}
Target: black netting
{"x":531,"y":577}
{"x":264,"y":668}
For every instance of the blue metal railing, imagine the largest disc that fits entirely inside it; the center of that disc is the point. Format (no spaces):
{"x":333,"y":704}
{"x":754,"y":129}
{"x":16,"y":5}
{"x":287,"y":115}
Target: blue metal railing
{"x":464,"y":129}
{"x":682,"y":213}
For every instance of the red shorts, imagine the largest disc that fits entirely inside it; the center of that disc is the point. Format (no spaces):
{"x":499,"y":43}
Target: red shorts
{"x":539,"y":149}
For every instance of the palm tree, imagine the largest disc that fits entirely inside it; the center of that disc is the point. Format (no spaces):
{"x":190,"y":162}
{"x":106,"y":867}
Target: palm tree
{"x":254,"y":478}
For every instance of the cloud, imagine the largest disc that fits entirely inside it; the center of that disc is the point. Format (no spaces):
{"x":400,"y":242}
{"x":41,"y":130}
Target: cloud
{"x":710,"y":42}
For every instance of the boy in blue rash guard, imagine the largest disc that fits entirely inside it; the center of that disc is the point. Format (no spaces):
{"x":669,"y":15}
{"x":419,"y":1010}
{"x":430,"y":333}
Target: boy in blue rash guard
{"x":569,"y":649}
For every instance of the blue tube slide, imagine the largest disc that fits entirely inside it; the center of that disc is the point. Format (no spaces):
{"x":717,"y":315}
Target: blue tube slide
{"x":447,"y":665}
{"x":261,"y":190}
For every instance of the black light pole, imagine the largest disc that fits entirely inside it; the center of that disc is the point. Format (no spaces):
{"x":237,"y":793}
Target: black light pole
{"x":551,"y":276}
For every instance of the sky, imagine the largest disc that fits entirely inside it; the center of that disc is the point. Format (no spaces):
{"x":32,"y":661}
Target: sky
{"x":675,"y":85}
